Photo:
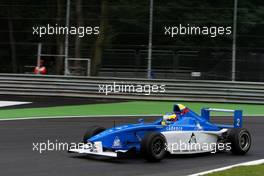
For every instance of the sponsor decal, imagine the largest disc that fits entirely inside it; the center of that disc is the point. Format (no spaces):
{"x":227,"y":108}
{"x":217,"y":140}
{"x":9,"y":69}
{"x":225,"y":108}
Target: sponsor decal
{"x":117,"y":143}
{"x":138,"y":137}
{"x":173,"y":128}
{"x":198,"y":126}
{"x":193,"y":139}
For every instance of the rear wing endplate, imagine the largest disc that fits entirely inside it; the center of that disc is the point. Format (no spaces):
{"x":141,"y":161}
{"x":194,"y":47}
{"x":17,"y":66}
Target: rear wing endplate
{"x":237,"y":114}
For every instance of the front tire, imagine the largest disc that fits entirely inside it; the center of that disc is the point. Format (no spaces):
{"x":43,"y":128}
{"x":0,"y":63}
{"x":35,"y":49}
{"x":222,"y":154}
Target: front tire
{"x":92,"y":131}
{"x":240,"y":140}
{"x":153,"y":146}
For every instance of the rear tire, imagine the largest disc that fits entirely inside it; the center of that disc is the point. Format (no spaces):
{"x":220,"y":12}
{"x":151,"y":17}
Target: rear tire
{"x":240,"y":140}
{"x":153,"y":146}
{"x":92,"y":131}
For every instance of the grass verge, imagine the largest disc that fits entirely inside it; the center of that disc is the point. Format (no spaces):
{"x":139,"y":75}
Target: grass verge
{"x":256,"y":170}
{"x":124,"y":108}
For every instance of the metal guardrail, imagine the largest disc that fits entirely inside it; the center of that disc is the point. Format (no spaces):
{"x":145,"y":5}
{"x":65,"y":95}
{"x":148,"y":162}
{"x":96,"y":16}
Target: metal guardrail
{"x":176,"y":90}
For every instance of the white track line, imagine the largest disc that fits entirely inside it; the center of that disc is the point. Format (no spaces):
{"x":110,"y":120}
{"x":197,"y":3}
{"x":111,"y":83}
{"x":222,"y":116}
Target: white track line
{"x":12,"y":103}
{"x":250,"y":163}
{"x":88,"y":116}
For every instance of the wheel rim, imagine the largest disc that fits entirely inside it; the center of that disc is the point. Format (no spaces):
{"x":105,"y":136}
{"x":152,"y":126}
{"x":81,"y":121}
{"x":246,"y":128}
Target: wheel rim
{"x":157,"y":146}
{"x":244,"y":141}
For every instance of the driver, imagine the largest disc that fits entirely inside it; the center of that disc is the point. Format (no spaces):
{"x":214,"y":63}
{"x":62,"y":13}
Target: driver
{"x":169,"y":118}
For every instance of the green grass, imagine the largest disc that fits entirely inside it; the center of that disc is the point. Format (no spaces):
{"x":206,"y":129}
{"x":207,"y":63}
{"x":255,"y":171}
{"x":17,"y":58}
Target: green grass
{"x":257,"y":170}
{"x":124,"y":108}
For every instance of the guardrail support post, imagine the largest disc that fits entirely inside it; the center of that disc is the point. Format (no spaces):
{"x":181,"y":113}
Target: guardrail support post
{"x":39,"y":54}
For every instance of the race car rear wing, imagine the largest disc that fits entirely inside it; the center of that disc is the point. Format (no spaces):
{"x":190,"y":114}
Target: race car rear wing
{"x":237,"y":115}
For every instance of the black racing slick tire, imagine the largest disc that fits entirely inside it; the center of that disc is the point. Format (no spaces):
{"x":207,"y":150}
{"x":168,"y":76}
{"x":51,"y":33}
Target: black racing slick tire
{"x":153,"y":147}
{"x":92,"y":131}
{"x":240,"y":140}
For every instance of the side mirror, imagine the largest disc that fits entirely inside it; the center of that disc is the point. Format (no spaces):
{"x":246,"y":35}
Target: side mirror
{"x":141,"y":120}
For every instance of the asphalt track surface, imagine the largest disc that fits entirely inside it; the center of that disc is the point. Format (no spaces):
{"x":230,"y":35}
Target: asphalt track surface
{"x":18,"y":158}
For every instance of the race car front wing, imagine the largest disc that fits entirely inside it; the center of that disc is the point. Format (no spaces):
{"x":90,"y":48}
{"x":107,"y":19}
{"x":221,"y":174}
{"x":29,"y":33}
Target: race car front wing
{"x":95,"y":148}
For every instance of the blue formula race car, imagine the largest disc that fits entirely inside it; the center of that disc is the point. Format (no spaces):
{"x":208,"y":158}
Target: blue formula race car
{"x":180,"y":132}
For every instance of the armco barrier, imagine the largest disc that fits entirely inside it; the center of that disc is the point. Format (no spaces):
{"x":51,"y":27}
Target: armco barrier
{"x":176,"y":90}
